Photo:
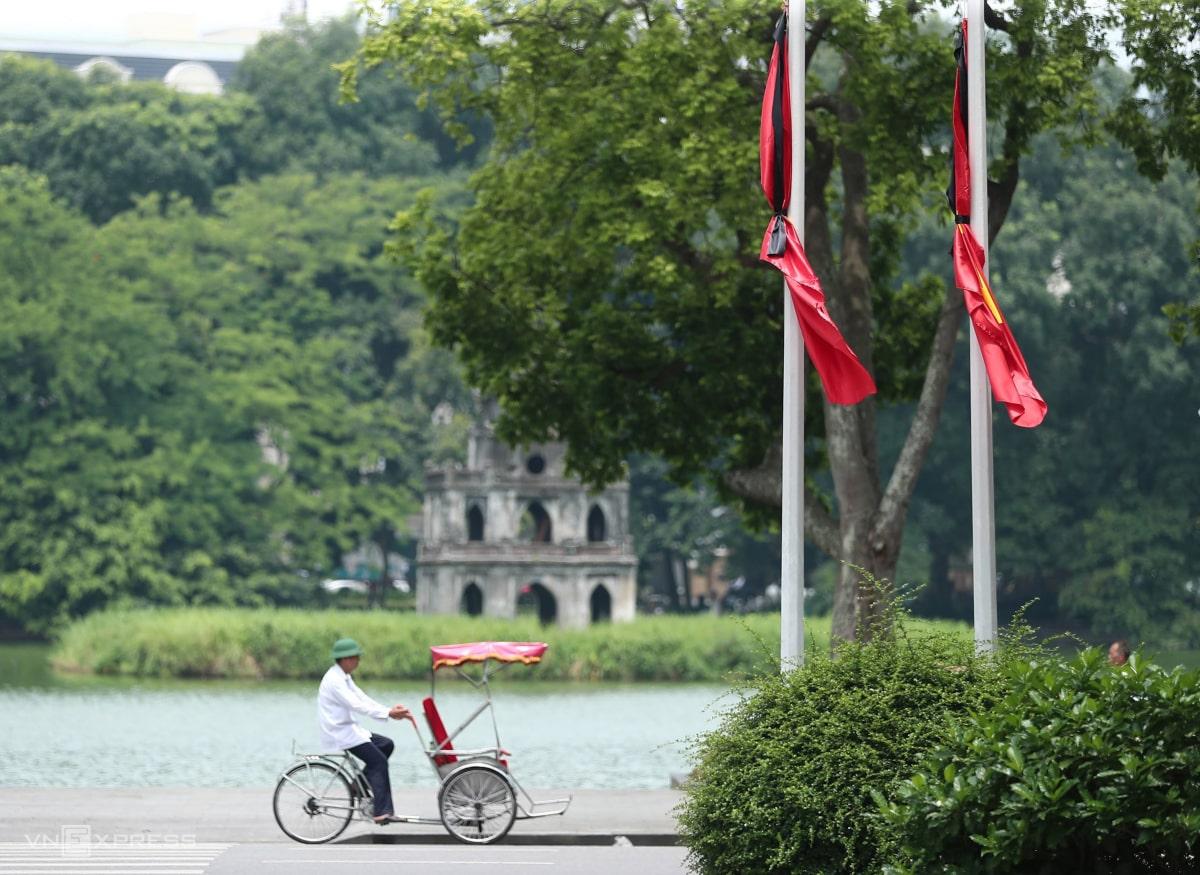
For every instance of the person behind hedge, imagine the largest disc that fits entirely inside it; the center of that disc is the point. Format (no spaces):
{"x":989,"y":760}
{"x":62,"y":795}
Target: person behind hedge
{"x":338,"y":700}
{"x":1118,"y":652}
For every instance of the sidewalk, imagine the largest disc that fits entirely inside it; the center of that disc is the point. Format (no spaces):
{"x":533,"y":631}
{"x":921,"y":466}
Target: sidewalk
{"x":207,"y":814}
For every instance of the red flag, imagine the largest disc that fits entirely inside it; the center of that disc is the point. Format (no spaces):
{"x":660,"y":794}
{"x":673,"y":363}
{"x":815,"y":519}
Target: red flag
{"x":845,"y":380}
{"x":1006,"y":368}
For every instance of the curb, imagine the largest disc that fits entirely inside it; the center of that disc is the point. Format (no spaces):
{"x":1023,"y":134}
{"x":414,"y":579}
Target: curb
{"x":594,"y":839}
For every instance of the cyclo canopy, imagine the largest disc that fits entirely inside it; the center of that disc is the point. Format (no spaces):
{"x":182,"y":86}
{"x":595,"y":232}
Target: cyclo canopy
{"x":450,"y":655}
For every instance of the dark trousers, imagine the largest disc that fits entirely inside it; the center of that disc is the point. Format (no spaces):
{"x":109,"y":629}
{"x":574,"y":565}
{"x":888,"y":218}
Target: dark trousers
{"x":374,"y":754}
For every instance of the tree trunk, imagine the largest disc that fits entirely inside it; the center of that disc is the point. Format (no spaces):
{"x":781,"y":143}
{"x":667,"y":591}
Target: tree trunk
{"x":378,"y":591}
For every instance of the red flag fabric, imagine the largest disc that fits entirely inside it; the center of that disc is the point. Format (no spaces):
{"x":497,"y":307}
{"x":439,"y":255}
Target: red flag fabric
{"x":1006,"y":368}
{"x":845,"y":379}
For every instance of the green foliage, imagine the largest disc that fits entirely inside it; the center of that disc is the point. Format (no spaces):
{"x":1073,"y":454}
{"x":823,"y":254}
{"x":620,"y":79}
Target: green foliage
{"x":677,"y":527}
{"x":784,"y":785}
{"x":1185,"y":319}
{"x":635,"y":299}
{"x":288,"y":643}
{"x":319,"y":347}
{"x":211,"y":642}
{"x":1090,"y":255}
{"x":302,"y":125}
{"x":199,"y":407}
{"x":121,"y":473}
{"x":1080,"y":768}
{"x":101,"y":145}
{"x":1160,"y":118}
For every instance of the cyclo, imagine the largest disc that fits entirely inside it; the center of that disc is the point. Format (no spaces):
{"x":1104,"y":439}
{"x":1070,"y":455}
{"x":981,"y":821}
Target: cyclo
{"x":478,"y":797}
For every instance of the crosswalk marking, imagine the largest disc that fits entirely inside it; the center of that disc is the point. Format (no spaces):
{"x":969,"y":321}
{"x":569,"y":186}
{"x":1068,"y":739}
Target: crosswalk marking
{"x":99,"y":858}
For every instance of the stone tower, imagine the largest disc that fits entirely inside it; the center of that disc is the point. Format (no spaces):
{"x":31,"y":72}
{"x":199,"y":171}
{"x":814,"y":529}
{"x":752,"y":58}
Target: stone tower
{"x":512,"y":528}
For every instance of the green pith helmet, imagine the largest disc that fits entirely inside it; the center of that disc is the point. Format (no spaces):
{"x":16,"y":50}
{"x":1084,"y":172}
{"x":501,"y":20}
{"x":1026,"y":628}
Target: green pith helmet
{"x":344,"y":647}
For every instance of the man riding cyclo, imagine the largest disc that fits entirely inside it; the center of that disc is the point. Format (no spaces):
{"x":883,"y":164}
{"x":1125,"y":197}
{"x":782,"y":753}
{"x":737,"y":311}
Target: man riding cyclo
{"x":338,"y":700}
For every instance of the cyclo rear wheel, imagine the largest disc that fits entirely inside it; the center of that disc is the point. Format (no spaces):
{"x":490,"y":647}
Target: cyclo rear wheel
{"x":477,"y":805}
{"x":313,"y":802}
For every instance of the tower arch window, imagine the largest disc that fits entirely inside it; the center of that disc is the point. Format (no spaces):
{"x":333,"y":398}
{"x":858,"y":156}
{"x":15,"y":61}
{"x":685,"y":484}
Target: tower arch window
{"x":471,"y":602}
{"x":474,"y":523}
{"x":535,"y":524}
{"x":537,"y":599}
{"x":597,"y":525}
{"x":601,"y":604}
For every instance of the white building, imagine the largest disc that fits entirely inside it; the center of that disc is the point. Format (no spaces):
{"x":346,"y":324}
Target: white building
{"x":165,"y":48}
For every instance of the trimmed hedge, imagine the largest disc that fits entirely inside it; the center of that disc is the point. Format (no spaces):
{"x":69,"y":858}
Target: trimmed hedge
{"x":285,"y":643}
{"x":785,"y":784}
{"x":1081,"y":768}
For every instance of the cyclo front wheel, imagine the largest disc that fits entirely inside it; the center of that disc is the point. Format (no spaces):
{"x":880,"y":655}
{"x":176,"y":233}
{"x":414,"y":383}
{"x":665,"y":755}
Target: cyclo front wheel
{"x":477,"y":805}
{"x":313,"y":802}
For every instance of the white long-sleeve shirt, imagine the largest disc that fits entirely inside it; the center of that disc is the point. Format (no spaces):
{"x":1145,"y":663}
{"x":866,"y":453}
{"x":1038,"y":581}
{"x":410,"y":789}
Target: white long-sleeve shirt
{"x":337,"y":701}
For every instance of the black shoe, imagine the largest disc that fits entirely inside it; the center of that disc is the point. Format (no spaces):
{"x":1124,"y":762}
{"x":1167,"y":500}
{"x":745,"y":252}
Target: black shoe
{"x":385,"y":819}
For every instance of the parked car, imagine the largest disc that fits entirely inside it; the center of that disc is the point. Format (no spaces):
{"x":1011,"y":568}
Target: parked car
{"x":352,"y":585}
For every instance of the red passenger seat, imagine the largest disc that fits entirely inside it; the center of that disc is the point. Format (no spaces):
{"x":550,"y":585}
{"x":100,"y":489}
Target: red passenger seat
{"x":438,"y":730}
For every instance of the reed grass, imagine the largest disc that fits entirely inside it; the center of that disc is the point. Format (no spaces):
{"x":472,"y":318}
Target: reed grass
{"x":291,"y":643}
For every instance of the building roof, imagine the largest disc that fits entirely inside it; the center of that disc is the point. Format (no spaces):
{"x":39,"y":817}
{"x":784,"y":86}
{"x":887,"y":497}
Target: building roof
{"x":144,"y":67}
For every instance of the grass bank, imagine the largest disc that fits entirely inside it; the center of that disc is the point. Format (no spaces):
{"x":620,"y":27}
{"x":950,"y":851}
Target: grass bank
{"x":270,"y":643}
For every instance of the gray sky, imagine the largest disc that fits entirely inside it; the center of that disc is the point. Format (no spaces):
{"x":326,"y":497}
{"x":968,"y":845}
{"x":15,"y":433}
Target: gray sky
{"x":110,"y":19}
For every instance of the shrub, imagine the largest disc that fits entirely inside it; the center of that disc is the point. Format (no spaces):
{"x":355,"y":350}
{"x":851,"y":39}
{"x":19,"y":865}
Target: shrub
{"x":784,"y":784}
{"x":1081,"y":768}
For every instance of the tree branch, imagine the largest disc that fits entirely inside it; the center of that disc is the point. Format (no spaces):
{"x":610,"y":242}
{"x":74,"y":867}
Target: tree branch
{"x":1000,"y":196}
{"x":995,"y":20}
{"x":764,"y":485}
{"x":818,"y":242}
{"x":851,"y":310}
{"x":815,"y":34}
{"x":827,"y":102}
{"x":820,"y":525}
{"x":1016,"y":135}
{"x":893,"y":507}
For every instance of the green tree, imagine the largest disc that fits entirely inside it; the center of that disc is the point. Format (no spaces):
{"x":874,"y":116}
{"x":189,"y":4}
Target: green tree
{"x":604,"y":285}
{"x":200,"y":406}
{"x":675,"y":527}
{"x":302,"y":125}
{"x":122,"y":475}
{"x":1160,"y":118}
{"x":102,"y":145}
{"x":1097,"y":510}
{"x":319,"y":344}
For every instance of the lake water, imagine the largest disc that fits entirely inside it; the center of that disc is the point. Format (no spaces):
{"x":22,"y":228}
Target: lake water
{"x":65,"y":731}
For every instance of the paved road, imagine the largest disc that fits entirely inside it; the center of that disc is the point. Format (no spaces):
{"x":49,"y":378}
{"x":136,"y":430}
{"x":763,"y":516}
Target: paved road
{"x":165,"y":831}
{"x":359,"y":859}
{"x":243,"y":815}
{"x":19,"y":858}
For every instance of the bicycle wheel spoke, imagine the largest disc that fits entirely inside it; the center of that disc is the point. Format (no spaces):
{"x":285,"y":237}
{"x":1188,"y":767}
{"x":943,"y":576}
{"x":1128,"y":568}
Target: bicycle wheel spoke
{"x":313,"y":803}
{"x":478,"y":806}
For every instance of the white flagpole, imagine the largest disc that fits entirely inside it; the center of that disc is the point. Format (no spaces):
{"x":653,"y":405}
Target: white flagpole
{"x":983,"y":500}
{"x":792,"y":572}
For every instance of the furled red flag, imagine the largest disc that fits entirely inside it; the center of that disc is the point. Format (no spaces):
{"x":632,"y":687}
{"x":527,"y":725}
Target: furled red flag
{"x":845,"y":380}
{"x":1006,"y":368}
